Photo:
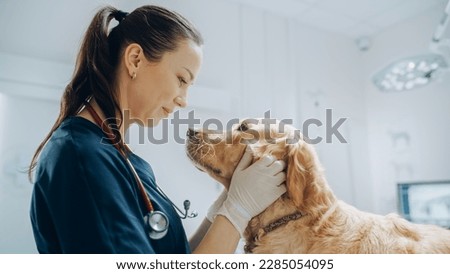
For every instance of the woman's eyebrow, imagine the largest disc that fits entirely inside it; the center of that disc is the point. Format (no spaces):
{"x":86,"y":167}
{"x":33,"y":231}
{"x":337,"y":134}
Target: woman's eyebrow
{"x":190,"y":73}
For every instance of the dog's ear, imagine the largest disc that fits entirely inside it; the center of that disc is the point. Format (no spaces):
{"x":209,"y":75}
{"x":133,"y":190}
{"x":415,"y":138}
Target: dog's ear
{"x":301,"y":172}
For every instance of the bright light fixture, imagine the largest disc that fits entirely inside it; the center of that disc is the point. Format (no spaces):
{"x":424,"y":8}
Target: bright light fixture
{"x":416,"y":71}
{"x":410,"y":72}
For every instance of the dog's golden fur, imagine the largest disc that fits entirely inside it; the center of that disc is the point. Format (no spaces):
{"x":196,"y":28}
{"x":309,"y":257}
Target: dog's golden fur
{"x":328,"y":225}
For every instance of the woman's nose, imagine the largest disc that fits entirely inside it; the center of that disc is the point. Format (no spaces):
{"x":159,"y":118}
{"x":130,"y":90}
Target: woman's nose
{"x":180,"y":101}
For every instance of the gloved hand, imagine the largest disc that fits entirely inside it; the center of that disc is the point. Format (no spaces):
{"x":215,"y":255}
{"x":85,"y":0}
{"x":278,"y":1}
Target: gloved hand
{"x":212,"y":211}
{"x":252,"y":189}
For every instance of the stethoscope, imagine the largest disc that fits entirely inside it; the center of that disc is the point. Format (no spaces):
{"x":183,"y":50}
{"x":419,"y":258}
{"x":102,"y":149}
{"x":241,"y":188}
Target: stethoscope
{"x":156,"y":222}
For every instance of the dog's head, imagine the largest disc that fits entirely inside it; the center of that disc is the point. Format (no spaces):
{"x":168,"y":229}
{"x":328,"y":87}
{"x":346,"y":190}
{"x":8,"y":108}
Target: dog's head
{"x":218,"y":153}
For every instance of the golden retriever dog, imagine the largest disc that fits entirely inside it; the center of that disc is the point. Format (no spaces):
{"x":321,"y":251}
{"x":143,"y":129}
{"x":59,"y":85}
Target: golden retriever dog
{"x":308,"y":218}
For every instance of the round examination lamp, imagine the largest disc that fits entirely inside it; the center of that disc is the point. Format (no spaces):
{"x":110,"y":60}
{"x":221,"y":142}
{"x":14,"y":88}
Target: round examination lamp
{"x":419,"y":70}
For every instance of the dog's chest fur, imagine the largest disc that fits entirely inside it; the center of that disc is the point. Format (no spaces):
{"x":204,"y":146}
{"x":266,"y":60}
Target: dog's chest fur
{"x":342,"y":230}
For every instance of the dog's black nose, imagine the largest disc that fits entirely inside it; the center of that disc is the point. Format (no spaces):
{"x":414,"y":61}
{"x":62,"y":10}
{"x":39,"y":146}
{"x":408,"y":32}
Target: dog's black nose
{"x":191,"y":133}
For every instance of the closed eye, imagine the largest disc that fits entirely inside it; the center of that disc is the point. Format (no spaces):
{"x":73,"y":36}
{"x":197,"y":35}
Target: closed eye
{"x":182,"y":81}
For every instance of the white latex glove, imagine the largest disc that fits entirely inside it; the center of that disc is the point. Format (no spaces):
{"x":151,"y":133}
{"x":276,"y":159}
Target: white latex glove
{"x":214,"y":208}
{"x":252,"y":189}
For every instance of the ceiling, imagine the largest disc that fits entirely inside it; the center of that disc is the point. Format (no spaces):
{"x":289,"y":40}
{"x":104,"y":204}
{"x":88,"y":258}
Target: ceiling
{"x":45,"y":28}
{"x":353,"y":18}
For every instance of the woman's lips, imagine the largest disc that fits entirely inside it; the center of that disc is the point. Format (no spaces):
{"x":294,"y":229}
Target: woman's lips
{"x":167,"y":112}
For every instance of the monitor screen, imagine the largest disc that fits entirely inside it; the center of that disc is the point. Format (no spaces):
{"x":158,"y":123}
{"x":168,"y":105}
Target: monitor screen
{"x":425,"y":202}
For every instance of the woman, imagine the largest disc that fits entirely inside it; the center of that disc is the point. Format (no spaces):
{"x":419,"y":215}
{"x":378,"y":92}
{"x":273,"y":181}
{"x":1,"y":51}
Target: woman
{"x":91,"y":193}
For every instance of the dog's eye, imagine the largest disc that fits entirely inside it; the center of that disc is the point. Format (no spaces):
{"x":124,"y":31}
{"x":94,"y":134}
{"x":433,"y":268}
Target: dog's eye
{"x":243,"y":127}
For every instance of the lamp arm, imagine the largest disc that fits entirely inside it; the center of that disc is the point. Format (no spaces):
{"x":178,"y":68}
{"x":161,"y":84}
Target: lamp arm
{"x":437,"y":36}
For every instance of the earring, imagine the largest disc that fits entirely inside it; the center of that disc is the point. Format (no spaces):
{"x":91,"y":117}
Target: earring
{"x":133,"y":76}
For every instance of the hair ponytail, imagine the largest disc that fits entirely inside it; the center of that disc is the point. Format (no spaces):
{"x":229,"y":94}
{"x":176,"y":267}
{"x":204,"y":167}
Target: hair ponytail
{"x":92,"y":77}
{"x":156,"y":29}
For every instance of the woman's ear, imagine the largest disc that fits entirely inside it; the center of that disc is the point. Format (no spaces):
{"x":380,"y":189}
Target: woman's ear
{"x":133,"y":56}
{"x":300,"y":172}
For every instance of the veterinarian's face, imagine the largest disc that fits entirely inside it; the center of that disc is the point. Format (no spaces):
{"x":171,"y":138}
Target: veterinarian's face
{"x":219,"y":153}
{"x":161,"y":87}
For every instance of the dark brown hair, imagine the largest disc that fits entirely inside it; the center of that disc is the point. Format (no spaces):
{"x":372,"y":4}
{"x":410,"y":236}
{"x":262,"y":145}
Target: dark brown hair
{"x":156,"y":29}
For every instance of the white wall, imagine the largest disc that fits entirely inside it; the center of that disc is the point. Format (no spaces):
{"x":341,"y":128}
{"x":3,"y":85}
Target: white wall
{"x":423,"y":114}
{"x":329,"y":77}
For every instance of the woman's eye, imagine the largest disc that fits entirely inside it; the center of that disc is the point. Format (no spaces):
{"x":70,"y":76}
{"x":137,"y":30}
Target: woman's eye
{"x":182,"y":81}
{"x":243,"y":127}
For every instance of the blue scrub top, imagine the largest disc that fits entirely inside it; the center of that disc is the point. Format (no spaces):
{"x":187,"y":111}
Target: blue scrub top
{"x":86,"y":199}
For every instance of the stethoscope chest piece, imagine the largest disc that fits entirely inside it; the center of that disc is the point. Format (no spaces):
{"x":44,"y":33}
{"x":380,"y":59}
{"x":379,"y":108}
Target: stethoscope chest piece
{"x":157,"y":224}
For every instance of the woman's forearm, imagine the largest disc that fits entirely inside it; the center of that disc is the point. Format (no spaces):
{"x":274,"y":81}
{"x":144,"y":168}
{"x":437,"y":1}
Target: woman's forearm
{"x":221,"y":237}
{"x":199,"y":234}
